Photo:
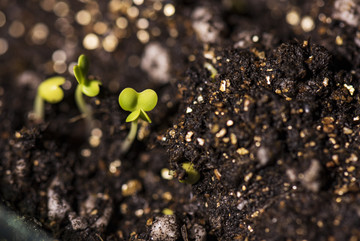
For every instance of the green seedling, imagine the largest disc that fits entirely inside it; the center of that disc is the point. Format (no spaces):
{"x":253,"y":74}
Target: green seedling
{"x":137,"y":104}
{"x":212,"y":70}
{"x":192,"y":176}
{"x":49,"y":91}
{"x":167,"y":211}
{"x":86,"y":86}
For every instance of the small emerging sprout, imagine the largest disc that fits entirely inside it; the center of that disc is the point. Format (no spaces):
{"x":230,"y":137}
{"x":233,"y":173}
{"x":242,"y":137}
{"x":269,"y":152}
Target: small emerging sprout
{"x":167,"y":211}
{"x":192,"y":176}
{"x":89,"y":87}
{"x":137,"y":104}
{"x":50,"y":91}
{"x":212,"y":70}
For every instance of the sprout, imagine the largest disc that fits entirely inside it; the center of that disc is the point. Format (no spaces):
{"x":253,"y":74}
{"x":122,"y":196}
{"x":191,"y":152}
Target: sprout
{"x":212,"y":70}
{"x":50,"y":91}
{"x":192,"y":175}
{"x":89,"y":87}
{"x":167,"y":211}
{"x":137,"y":104}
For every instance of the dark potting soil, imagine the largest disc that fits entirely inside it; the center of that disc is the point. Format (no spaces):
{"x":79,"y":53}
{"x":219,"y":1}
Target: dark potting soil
{"x":274,"y":137}
{"x":261,"y":96}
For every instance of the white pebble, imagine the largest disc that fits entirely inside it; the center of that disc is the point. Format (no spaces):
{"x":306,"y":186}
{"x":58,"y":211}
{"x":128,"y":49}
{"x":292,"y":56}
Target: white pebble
{"x":164,"y":228}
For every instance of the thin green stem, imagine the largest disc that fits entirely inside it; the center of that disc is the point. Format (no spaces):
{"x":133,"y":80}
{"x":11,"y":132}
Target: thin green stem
{"x":39,"y":107}
{"x":130,"y":137}
{"x":81,"y":102}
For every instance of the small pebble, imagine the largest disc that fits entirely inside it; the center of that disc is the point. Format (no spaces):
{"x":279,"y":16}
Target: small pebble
{"x":164,"y":228}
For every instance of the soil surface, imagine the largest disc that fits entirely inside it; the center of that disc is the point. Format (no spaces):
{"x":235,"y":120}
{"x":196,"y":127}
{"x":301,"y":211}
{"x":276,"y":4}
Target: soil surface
{"x":262,"y":97}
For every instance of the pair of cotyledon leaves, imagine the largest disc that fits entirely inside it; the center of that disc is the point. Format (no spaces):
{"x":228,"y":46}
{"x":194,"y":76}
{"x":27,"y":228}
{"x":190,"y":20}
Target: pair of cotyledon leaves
{"x":50,"y":89}
{"x":138,"y":103}
{"x":90,"y":87}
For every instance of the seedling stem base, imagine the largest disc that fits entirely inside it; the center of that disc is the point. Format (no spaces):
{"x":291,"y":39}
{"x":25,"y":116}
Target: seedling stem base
{"x":130,"y":137}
